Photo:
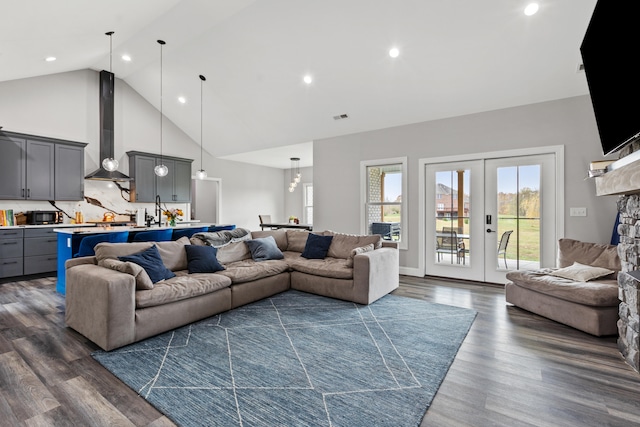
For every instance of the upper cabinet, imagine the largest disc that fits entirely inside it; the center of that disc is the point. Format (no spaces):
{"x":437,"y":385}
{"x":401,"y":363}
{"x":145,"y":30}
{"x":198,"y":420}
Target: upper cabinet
{"x":39,"y":168}
{"x":145,"y":185}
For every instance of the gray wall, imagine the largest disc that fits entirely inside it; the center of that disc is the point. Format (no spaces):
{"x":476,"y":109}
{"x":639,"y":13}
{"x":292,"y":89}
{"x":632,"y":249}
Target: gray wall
{"x":569,"y":122}
{"x":65,"y":106}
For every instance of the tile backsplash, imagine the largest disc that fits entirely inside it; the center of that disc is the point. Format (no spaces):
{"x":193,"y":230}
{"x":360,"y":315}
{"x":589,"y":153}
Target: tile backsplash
{"x":106,"y":193}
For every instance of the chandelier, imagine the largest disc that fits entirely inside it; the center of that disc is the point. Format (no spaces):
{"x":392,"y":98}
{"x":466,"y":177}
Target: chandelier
{"x":296,"y":176}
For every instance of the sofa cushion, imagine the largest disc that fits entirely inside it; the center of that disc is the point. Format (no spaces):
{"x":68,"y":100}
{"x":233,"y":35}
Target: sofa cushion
{"x":150,"y":260}
{"x":202,"y":259}
{"x":106,"y":250}
{"x":264,"y":249}
{"x":316,"y":246}
{"x":358,"y":251}
{"x":248,"y":270}
{"x":582,"y":273}
{"x":296,"y":240}
{"x":593,"y":254}
{"x":181,"y":287}
{"x":279,"y":235}
{"x":173,"y":254}
{"x":233,"y":252}
{"x":143,"y":281}
{"x":335,"y":268}
{"x":343,"y":244}
{"x":600,"y":293}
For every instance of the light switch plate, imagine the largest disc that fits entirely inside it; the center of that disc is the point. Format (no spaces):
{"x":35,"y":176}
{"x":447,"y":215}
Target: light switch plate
{"x":577,"y":211}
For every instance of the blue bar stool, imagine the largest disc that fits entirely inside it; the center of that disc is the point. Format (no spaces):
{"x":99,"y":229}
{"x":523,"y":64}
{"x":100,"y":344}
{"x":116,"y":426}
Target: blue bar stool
{"x":153,"y":235}
{"x":187,"y":232}
{"x":89,"y":242}
{"x":215,"y":228}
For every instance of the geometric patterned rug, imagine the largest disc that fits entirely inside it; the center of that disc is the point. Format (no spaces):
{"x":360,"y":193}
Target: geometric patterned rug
{"x":297,"y":359}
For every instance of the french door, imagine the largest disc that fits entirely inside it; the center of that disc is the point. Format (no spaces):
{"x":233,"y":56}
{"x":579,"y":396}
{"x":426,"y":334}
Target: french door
{"x":486,"y":217}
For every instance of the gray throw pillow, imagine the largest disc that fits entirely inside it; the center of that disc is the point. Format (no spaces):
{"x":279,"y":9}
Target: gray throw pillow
{"x":264,"y":249}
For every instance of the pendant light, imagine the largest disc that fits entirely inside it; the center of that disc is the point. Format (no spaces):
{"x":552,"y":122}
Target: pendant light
{"x":296,"y":176}
{"x":161,"y":169}
{"x":201,"y":174}
{"x":109,"y":163}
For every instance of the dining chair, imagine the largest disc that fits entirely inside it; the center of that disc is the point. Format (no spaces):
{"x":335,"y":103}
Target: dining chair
{"x":502,"y":247}
{"x":264,"y":219}
{"x":449,"y":242}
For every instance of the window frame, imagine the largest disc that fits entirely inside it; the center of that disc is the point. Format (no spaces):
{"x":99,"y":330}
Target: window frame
{"x":305,"y":216}
{"x":364,"y":196}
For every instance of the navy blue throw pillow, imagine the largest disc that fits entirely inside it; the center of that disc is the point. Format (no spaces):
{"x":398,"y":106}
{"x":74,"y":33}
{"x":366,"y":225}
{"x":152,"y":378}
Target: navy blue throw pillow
{"x":317,"y":246}
{"x":202,"y":259}
{"x":151,"y":262}
{"x":264,"y":249}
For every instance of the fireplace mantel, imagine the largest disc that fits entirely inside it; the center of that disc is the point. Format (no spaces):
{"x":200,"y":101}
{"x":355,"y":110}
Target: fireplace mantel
{"x":622,"y":178}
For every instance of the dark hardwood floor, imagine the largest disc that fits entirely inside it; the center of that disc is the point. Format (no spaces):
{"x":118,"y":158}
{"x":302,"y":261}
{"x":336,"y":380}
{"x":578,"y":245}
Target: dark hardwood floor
{"x":513,"y":369}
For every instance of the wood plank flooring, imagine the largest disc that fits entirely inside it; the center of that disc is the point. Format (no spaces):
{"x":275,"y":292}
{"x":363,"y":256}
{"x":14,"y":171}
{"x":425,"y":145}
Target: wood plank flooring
{"x":513,"y":369}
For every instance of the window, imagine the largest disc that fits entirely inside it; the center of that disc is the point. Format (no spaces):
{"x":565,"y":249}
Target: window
{"x":307,"y":208}
{"x":384,"y":209}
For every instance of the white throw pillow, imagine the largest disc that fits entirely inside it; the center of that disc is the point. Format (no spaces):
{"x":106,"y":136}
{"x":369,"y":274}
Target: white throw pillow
{"x":581,"y":273}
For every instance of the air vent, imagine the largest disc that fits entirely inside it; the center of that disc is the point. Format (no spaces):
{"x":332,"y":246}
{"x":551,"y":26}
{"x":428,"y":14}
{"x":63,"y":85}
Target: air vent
{"x":580,"y":68}
{"x":341,"y":117}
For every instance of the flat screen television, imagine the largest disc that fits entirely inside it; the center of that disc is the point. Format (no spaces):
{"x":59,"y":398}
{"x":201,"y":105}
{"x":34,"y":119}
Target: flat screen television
{"x":611,"y":56}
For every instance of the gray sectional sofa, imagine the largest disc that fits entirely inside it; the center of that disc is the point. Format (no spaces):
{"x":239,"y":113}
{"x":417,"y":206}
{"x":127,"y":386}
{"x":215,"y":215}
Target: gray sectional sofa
{"x":113,"y":303}
{"x":582,"y":292}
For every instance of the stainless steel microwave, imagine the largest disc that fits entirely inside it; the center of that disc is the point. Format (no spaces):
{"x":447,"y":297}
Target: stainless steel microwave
{"x":44,"y":217}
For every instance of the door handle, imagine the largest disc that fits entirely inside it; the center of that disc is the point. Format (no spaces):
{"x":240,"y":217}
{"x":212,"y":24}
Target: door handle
{"x":490,"y":230}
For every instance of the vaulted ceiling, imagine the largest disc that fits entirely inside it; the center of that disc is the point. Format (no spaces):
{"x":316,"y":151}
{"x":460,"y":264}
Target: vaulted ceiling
{"x":456,"y":57}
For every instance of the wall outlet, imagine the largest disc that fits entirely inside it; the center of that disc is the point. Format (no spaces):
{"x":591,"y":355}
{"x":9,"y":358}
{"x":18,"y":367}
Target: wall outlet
{"x":577,"y":211}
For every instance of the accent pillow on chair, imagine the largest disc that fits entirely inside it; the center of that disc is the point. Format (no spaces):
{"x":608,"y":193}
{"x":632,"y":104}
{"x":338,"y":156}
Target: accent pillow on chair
{"x":151,"y":261}
{"x":317,"y":246}
{"x":202,"y":259}
{"x":581,"y":273}
{"x":264,"y":249}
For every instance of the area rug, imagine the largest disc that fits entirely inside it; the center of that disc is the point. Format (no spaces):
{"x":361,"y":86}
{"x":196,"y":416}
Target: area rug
{"x":298,"y":359}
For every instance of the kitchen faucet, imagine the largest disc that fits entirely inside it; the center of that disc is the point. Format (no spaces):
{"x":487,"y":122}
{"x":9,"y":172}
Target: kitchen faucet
{"x":158,"y":209}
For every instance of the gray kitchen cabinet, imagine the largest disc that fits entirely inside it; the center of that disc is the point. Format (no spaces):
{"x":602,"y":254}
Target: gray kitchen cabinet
{"x":174,"y":187}
{"x":11,"y":247}
{"x":40,"y":250}
{"x":69,"y":172}
{"x":40,"y":168}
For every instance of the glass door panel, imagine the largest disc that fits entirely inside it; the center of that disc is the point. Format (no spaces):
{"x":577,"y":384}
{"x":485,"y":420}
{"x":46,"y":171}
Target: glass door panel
{"x":454,"y":199}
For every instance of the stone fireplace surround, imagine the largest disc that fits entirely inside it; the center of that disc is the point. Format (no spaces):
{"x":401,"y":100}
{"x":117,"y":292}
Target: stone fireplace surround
{"x":624,"y":179}
{"x":629,"y":284}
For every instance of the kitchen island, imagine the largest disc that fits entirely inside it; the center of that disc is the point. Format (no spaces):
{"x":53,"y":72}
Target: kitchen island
{"x":69,"y":238}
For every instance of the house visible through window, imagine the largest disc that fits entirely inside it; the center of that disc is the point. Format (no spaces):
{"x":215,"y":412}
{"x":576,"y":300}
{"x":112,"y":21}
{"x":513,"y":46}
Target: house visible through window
{"x":384,"y":204}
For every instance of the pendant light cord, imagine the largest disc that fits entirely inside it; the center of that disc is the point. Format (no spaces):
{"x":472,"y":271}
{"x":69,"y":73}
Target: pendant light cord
{"x":161,"y":42}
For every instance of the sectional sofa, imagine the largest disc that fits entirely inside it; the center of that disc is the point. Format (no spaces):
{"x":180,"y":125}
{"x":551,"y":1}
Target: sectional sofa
{"x":114,"y":303}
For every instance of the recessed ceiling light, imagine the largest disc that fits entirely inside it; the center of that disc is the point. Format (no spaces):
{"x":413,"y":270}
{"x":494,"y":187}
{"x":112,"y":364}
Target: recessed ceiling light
{"x":531,"y":9}
{"x":307,"y":79}
{"x":182,"y":100}
{"x":50,"y":58}
{"x":394,"y":52}
{"x":126,"y":57}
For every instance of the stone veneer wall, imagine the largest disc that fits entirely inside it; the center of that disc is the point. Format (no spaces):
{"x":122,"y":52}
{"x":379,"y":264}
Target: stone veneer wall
{"x":628,"y":286}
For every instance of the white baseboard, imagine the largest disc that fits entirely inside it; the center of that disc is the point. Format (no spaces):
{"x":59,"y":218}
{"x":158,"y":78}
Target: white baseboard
{"x":410,"y":271}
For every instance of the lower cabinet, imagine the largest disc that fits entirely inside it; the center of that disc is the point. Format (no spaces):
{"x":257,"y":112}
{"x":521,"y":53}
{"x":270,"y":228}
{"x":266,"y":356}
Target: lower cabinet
{"x":11,"y":259}
{"x":27,"y":251}
{"x":40,"y":250}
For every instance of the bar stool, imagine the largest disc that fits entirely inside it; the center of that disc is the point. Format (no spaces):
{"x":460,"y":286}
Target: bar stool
{"x":89,"y":242}
{"x":153,"y":235}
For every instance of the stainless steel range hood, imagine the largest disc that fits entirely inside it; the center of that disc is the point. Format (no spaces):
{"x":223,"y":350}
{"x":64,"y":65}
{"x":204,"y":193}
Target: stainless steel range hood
{"x":107,"y":84}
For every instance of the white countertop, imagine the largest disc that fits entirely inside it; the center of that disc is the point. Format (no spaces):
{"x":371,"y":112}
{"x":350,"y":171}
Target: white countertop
{"x":102,"y":229}
{"x":45,"y":226}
